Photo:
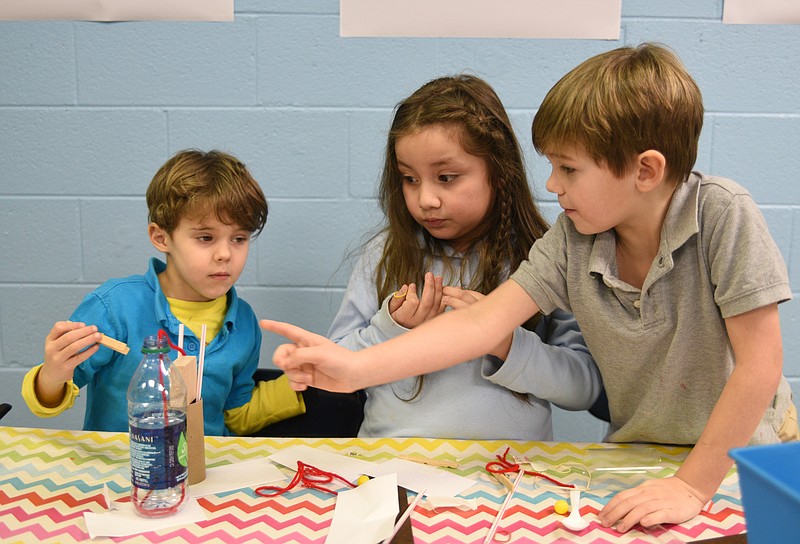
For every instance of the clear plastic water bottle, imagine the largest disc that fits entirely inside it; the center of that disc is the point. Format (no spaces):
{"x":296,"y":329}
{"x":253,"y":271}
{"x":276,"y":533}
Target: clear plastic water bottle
{"x":157,"y":424}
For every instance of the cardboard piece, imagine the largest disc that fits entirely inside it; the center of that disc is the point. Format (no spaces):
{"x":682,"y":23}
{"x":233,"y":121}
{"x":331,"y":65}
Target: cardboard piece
{"x":195,"y":433}
{"x":196,"y":440}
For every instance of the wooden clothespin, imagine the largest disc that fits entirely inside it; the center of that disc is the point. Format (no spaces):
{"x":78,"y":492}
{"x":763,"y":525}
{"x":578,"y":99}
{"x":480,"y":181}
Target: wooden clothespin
{"x":427,"y":461}
{"x":503,"y":479}
{"x":116,"y":345}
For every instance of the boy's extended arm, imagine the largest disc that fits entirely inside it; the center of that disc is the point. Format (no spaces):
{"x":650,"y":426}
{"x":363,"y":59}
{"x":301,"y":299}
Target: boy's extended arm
{"x":756,"y":340}
{"x":449,"y":339}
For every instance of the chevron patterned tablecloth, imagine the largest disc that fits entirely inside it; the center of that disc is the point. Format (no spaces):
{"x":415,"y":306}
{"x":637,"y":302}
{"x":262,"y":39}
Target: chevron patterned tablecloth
{"x":49,"y":478}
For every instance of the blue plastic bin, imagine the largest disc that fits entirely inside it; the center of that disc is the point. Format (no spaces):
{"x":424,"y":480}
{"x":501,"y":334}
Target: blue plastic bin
{"x":770,"y":480}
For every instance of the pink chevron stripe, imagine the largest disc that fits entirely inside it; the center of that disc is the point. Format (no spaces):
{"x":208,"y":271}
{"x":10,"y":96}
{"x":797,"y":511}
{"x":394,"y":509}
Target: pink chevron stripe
{"x":697,"y":530}
{"x":306,"y":507}
{"x":449,"y":525}
{"x":420,"y":517}
{"x":43,"y":534}
{"x":231,"y":519}
{"x":491,"y":511}
{"x":185,"y":535}
{"x":723,"y":514}
{"x":453,"y":525}
{"x":50,"y":513}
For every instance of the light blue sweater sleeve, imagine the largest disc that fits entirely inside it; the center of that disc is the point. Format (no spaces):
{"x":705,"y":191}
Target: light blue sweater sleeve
{"x":361,"y":322}
{"x":551,"y":363}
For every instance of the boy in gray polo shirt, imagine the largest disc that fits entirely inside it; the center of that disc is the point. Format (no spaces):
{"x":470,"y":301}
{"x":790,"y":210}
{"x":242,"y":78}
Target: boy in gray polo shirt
{"x":672,"y":276}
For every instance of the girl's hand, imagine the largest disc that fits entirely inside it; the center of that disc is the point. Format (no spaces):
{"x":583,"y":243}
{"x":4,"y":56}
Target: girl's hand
{"x":456,"y":297}
{"x":398,"y":298}
{"x":663,"y":500}
{"x":411,"y":310}
{"x":66,"y":346}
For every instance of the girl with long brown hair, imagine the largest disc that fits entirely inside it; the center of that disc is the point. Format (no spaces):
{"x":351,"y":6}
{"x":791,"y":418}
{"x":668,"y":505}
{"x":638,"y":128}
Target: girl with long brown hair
{"x":459,"y":218}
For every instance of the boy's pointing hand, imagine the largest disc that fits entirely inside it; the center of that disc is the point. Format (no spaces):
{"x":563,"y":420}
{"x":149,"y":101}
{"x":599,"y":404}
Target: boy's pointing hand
{"x":311,"y":360}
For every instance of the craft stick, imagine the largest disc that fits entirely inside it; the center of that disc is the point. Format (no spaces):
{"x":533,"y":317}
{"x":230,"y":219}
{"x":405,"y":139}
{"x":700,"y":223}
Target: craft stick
{"x":503,"y":479}
{"x":502,"y":510}
{"x":427,"y":461}
{"x":180,"y":335}
{"x":116,"y":345}
{"x":201,"y":362}
{"x":405,"y":516}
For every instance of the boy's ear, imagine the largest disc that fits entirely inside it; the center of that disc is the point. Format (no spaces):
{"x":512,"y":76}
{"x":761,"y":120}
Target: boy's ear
{"x":158,"y":237}
{"x":651,"y":170}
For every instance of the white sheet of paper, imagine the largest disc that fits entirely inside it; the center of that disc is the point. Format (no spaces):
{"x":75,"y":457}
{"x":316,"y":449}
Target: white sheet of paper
{"x":250,"y":473}
{"x":761,"y":12}
{"x":118,"y":10}
{"x":366,"y":514}
{"x":124,"y":521}
{"x":578,"y":19}
{"x":349,"y":468}
{"x":417,"y":477}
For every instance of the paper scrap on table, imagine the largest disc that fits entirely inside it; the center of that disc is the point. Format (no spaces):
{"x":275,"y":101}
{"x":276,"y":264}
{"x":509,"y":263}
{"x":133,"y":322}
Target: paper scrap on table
{"x":451,"y":502}
{"x":416,"y":477}
{"x":125,"y":521}
{"x":111,"y":505}
{"x":347,"y":467}
{"x":366,"y":514}
{"x":250,"y":473}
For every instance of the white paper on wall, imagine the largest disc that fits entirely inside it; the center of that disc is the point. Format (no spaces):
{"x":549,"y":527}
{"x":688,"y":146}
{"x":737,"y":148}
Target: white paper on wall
{"x":745,"y":12}
{"x":117,"y":10}
{"x":577,"y":19}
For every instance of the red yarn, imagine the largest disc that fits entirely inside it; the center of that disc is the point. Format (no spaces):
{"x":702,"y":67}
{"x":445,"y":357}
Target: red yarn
{"x":162,"y":334}
{"x":306,"y":476}
{"x":504,"y":465}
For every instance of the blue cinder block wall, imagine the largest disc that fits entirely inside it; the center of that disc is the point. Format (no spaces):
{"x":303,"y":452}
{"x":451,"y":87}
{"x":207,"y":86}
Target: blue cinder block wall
{"x":89,"y":111}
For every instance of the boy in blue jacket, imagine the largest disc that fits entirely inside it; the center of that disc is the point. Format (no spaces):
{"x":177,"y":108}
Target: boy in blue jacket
{"x":204,"y":210}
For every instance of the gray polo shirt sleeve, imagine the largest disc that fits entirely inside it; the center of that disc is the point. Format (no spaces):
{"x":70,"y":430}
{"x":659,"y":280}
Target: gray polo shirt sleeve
{"x":746,"y":268}
{"x":544,"y":274}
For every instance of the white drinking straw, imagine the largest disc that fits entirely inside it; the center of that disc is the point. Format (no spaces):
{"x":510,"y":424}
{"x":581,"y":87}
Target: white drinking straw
{"x":180,"y":335}
{"x":502,"y":511}
{"x":200,"y":361}
{"x":404,"y":517}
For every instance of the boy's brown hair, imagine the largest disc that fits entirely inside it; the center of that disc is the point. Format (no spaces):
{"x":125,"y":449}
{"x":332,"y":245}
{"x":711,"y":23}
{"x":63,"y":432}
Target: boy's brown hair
{"x":621,"y":103}
{"x":193,"y":183}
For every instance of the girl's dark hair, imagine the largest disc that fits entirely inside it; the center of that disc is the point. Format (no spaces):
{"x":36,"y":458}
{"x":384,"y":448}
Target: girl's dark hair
{"x":470,"y":107}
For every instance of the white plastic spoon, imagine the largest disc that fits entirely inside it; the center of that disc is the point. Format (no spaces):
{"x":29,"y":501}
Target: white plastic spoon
{"x":574,"y":522}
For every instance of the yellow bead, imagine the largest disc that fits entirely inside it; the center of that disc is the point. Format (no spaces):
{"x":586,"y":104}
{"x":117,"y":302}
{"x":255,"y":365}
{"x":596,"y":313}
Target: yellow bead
{"x":363,"y":479}
{"x":561,"y":507}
